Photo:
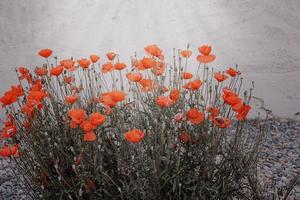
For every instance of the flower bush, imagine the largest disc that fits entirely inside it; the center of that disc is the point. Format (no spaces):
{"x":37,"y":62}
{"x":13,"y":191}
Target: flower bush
{"x":82,"y":129}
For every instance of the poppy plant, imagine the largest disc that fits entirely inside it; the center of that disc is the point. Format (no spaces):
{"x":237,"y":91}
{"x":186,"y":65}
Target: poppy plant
{"x":41,"y":71}
{"x":163,"y":101}
{"x":148,"y":63}
{"x":187,"y":75}
{"x":71,"y":99}
{"x":119,"y":66}
{"x":153,"y":50}
{"x":193,"y":85}
{"x":107,"y":67}
{"x":184,"y":137}
{"x":134,"y":77}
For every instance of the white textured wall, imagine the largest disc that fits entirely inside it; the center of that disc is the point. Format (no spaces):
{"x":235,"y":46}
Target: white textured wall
{"x":262,"y":36}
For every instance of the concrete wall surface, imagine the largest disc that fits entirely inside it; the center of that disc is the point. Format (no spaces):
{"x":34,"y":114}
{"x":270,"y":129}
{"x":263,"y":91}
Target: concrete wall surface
{"x":261,"y":36}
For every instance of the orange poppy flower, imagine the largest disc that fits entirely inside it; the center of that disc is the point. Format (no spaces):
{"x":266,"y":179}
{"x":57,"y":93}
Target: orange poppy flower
{"x":137,"y":64}
{"x":184,"y":137}
{"x":36,"y":86}
{"x":195,"y":116}
{"x":107,"y":67}
{"x":222,"y":122}
{"x":134,"y":77}
{"x":77,"y":115}
{"x":163,"y":101}
{"x":134,"y":136}
{"x":7,"y":151}
{"x":186,"y":53}
{"x":187,"y":75}
{"x":111,"y":55}
{"x":71,"y":99}
{"x":117,"y":96}
{"x":45,"y":53}
{"x":56,"y":71}
{"x":193,"y":85}
{"x":206,"y":59}
{"x":153,"y":50}
{"x":148,"y":63}
{"x":94,"y":58}
{"x":89,"y":137}
{"x":107,"y":100}
{"x":84,"y":63}
{"x":41,"y":71}
{"x":119,"y":66}
{"x":87,"y":126}
{"x":232,"y":72}
{"x":159,"y":68}
{"x":97,"y":119}
{"x":231,"y":100}
{"x":220,"y":77}
{"x":68,"y":65}
{"x":147,"y":82}
{"x":174,"y":95}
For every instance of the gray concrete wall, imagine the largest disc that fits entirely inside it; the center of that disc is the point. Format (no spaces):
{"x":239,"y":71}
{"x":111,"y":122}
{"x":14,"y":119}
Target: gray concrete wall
{"x":262,"y":36}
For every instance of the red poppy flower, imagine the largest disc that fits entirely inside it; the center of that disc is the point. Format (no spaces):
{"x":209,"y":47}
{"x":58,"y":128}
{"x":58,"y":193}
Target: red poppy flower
{"x":28,"y":110}
{"x":243,"y":112}
{"x":134,"y":136}
{"x":77,"y":115}
{"x":220,"y":77}
{"x":111,"y":55}
{"x":119,"y":66}
{"x":84,"y":63}
{"x":205,"y":50}
{"x":37,"y":95}
{"x":8,"y":99}
{"x":147,"y":82}
{"x":5,"y":151}
{"x":187,"y":75}
{"x":232,"y":72}
{"x":94,"y":58}
{"x":174,"y":95}
{"x":41,"y":71}
{"x":153,"y":50}
{"x":71,"y":99}
{"x":195,"y":116}
{"x":193,"y":85}
{"x":89,"y":137}
{"x":186,"y":53}
{"x":184,"y":137}
{"x":9,"y":131}
{"x":148,"y":63}
{"x":134,"y":77}
{"x":56,"y":71}
{"x":97,"y":119}
{"x":163,"y":101}
{"x":45,"y":53}
{"x":222,"y":122}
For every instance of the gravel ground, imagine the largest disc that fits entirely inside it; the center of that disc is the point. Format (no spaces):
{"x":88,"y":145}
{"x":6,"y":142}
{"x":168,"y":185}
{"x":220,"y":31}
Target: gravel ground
{"x":279,"y":162}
